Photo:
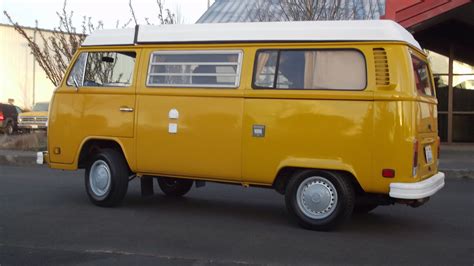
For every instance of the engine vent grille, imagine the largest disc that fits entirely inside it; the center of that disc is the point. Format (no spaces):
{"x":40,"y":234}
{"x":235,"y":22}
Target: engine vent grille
{"x":382,"y":75}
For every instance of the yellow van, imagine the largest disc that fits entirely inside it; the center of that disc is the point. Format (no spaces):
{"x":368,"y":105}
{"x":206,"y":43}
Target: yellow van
{"x":338,"y":116}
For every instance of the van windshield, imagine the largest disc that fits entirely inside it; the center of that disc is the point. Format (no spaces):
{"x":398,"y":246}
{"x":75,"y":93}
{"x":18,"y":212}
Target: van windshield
{"x":422,"y":77}
{"x":41,"y":107}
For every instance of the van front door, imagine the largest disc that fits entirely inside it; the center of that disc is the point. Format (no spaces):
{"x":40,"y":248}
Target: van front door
{"x":190,"y":115}
{"x":97,"y":100}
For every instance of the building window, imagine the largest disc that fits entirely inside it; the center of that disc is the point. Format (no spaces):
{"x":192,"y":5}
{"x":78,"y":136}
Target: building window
{"x":195,"y":69}
{"x":103,"y":69}
{"x":461,"y":114}
{"x":310,"y":69}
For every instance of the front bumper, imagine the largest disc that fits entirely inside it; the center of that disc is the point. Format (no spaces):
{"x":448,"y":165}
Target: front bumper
{"x":417,"y":190}
{"x":42,"y":157}
{"x":33,"y":126}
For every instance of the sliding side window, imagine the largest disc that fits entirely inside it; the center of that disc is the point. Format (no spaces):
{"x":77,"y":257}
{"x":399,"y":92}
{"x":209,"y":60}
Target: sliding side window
{"x":200,"y":69}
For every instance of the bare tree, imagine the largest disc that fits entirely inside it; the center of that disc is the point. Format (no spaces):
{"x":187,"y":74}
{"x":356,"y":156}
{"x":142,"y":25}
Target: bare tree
{"x":53,"y":53}
{"x":302,"y":10}
{"x":179,"y":15}
{"x":164,"y":16}
{"x":55,"y":49}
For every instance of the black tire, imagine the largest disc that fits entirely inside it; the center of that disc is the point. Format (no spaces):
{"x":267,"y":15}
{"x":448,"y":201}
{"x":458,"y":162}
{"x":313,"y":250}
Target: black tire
{"x":119,"y":172}
{"x":9,"y":129}
{"x":174,"y":187}
{"x":331,"y":189}
{"x":364,"y":208}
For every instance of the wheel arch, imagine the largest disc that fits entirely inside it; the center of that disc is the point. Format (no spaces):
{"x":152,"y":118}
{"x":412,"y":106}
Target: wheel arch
{"x":93,"y":144}
{"x":285,"y":173}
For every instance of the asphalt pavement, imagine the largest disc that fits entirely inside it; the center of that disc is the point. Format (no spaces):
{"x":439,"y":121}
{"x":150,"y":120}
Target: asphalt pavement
{"x":46,"y":219}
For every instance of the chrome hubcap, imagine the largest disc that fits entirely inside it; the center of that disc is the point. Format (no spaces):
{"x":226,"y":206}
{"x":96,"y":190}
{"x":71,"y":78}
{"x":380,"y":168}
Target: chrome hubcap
{"x":316,"y":197}
{"x":99,"y":178}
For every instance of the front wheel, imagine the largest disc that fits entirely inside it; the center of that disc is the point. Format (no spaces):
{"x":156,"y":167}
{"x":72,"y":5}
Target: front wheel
{"x":106,"y":178}
{"x":174,"y":187}
{"x":319,"y":200}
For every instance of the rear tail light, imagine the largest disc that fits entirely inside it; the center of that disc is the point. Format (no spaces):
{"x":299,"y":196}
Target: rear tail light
{"x":389,"y":173}
{"x":415,"y":157}
{"x":1,"y":116}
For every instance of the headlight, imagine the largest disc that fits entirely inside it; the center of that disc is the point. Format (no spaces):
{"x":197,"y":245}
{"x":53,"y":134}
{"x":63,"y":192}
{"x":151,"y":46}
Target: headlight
{"x":19,"y":119}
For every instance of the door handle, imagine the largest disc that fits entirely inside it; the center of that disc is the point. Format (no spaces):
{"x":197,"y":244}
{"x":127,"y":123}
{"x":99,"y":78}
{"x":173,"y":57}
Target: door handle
{"x":126,"y":109}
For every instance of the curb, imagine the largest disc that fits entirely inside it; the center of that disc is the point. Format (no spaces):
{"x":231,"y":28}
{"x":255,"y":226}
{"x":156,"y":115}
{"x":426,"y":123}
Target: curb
{"x":458,"y":173}
{"x":18,"y":160}
{"x":30,"y":160}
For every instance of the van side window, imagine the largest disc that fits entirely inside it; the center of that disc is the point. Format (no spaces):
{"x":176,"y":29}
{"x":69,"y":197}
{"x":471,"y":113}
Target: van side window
{"x":310,"y":69}
{"x":422,"y":77}
{"x":210,"y":69}
{"x":265,"y":69}
{"x":103,"y":69}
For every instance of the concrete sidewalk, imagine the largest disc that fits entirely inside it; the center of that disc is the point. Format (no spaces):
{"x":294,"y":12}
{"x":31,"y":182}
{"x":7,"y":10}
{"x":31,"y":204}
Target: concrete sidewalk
{"x":456,"y":160}
{"x":17,"y":157}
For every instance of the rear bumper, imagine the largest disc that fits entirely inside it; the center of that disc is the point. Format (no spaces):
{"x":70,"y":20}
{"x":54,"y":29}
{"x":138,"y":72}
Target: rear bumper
{"x":418,"y":190}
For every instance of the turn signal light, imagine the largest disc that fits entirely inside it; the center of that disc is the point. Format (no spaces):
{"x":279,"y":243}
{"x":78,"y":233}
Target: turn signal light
{"x":389,"y":173}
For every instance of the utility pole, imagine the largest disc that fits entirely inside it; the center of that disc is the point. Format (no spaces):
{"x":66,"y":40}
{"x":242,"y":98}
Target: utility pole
{"x":208,"y":3}
{"x":34,"y":65}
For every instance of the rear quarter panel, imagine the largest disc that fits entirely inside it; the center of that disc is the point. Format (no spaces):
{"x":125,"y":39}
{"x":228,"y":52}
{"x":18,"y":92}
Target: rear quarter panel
{"x":400,"y":118}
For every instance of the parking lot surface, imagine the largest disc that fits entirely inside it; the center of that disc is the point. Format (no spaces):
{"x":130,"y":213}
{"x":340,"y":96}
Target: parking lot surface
{"x":46,"y":218}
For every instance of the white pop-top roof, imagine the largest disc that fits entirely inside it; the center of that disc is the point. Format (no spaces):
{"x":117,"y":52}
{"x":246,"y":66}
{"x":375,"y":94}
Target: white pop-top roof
{"x":351,"y":30}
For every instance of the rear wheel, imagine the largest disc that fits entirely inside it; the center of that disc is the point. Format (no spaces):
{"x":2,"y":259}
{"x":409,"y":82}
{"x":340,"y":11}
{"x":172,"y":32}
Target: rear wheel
{"x":106,"y":178}
{"x":9,"y":128}
{"x":319,"y":200}
{"x":174,"y":187}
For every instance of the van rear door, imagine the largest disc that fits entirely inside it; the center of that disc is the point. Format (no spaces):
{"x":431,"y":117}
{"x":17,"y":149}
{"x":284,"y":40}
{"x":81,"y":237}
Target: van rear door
{"x":427,"y":142}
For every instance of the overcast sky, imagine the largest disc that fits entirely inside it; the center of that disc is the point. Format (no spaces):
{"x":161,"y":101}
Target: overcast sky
{"x":26,"y":12}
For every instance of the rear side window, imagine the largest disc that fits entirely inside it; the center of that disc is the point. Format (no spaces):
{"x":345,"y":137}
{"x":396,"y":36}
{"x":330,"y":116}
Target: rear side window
{"x":200,"y":69}
{"x":310,"y":70}
{"x":422,"y":77}
{"x":103,"y":69}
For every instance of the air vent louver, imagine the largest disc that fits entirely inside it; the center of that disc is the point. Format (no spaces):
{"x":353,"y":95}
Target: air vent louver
{"x":382,"y":75}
